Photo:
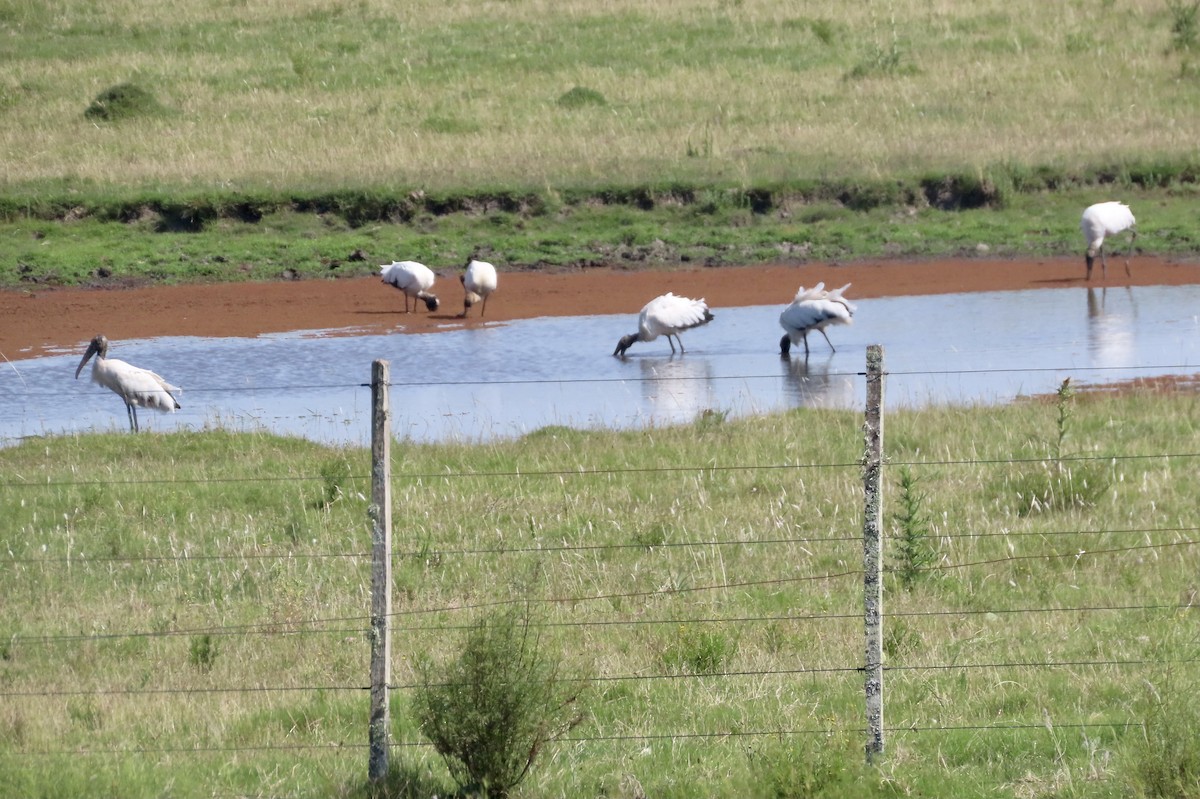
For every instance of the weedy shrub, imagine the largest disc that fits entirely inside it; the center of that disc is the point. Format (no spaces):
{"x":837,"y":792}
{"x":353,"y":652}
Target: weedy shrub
{"x":699,"y":651}
{"x":202,"y":652}
{"x":911,"y":552}
{"x":1060,"y":484}
{"x":1163,"y":758}
{"x":334,"y":476}
{"x":1185,"y":26}
{"x":123,"y":101}
{"x":815,"y":766}
{"x":492,"y":711}
{"x":580,"y":97}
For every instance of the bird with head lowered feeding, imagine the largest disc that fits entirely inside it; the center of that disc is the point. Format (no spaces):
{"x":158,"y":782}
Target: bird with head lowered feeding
{"x":412,"y":279}
{"x":813,"y":309}
{"x":135,"y":386}
{"x":1102,"y":220}
{"x":668,"y":316}
{"x":479,"y":281}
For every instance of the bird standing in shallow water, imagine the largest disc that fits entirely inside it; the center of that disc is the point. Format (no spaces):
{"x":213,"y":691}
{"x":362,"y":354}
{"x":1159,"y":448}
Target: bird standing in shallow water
{"x":135,"y":386}
{"x":1106,"y":219}
{"x":813,"y":309}
{"x":478,"y":281}
{"x":412,"y":278}
{"x":668,"y":316}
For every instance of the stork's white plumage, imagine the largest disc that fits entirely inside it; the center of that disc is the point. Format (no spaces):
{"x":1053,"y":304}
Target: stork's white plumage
{"x":668,"y":316}
{"x":412,"y":278}
{"x":813,"y":309}
{"x":1101,"y":220}
{"x":135,"y":386}
{"x":478,"y":281}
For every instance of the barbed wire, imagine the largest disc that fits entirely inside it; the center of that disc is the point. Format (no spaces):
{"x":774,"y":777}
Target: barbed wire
{"x":612,"y":678}
{"x":1045,"y":726}
{"x":603,"y":472}
{"x":75,"y":560}
{"x":271,"y":626}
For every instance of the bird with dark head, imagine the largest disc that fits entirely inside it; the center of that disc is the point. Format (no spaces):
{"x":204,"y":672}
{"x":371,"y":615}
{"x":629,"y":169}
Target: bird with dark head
{"x":413,"y":279}
{"x":813,"y":309}
{"x":479,"y":281}
{"x":1101,"y":220}
{"x":668,"y":316}
{"x":135,"y":386}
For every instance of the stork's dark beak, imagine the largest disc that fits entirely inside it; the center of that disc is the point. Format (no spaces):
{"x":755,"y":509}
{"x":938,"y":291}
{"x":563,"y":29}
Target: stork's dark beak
{"x":92,"y":349}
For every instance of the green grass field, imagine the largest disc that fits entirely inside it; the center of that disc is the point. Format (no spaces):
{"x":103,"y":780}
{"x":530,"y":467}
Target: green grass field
{"x":186,"y":614}
{"x":442,"y":96}
{"x":276,"y":139}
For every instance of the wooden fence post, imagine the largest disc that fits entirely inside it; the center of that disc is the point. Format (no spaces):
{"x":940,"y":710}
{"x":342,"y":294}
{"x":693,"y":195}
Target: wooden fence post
{"x":380,"y":512}
{"x":873,"y":551}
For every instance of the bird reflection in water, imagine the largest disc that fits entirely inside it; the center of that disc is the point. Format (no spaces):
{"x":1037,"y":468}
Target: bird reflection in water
{"x":677,"y":388}
{"x":811,"y":383}
{"x":1111,"y":323}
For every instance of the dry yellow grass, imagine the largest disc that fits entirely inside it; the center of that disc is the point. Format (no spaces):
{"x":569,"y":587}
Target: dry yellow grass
{"x":447,"y":95}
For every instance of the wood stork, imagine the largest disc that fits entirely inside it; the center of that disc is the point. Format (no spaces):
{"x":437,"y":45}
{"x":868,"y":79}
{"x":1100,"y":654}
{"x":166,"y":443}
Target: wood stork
{"x":668,"y":316}
{"x":478,"y":281}
{"x":135,"y":386}
{"x":1106,"y":219}
{"x":412,"y":278}
{"x":813,"y":309}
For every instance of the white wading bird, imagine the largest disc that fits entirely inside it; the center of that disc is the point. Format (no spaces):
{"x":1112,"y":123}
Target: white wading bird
{"x":135,"y":386}
{"x":668,"y":316}
{"x":1106,"y":219}
{"x":412,"y":278}
{"x":478,"y":282}
{"x":813,"y":309}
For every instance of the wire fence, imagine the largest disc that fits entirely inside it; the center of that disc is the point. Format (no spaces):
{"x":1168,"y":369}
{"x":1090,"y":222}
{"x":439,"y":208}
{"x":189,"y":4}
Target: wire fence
{"x":645,"y":588}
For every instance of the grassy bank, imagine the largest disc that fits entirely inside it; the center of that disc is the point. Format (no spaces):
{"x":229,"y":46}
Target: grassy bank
{"x":178,"y":141}
{"x":286,"y":244}
{"x":189,"y":610}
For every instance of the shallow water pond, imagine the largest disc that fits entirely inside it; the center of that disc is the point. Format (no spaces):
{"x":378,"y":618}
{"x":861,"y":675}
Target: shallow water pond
{"x":506,"y":380}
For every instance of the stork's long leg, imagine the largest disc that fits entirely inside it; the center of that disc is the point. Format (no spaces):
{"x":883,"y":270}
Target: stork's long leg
{"x":677,"y":338}
{"x":1132,"y":239}
{"x":827,"y":341}
{"x":672,"y":343}
{"x":132,"y":411}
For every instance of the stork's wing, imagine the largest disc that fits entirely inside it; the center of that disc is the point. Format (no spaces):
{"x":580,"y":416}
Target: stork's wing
{"x":669,"y":312}
{"x":142,"y":387}
{"x":399,"y":273}
{"x":814,"y":293}
{"x":836,"y":296}
{"x":807,"y":314}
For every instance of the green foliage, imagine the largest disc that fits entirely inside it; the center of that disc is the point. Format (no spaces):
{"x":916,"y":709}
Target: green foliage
{"x":755,"y":555}
{"x":1064,"y":406}
{"x":492,"y":710}
{"x":1162,"y":758}
{"x":699,"y":650}
{"x":814,"y":767}
{"x":1185,"y":25}
{"x":910,"y":551}
{"x":580,"y":97}
{"x":123,"y":101}
{"x":203,"y":651}
{"x":1059,"y":484}
{"x":335,"y":473}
